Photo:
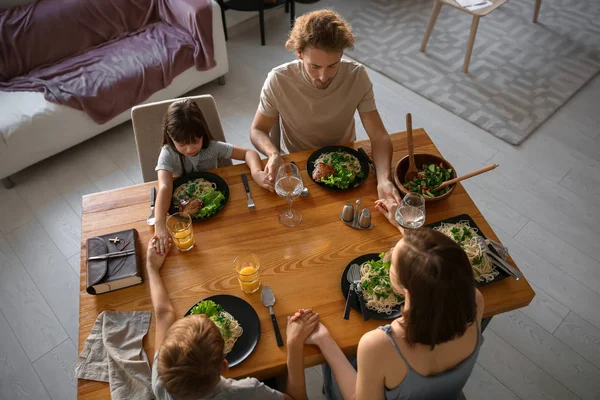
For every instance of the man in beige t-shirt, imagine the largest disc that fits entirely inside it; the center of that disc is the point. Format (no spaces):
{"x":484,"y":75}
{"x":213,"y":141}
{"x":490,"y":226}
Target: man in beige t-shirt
{"x":316,"y":97}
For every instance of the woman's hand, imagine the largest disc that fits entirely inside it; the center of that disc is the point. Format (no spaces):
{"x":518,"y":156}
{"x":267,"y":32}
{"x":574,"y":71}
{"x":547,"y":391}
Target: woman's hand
{"x":262,"y":179}
{"x":388,"y":209}
{"x":318,"y":334}
{"x":161,"y":239}
{"x":300,"y":326}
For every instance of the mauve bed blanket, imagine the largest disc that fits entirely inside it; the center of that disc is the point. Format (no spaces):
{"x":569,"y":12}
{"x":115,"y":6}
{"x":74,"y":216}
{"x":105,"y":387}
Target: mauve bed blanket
{"x":103,"y":56}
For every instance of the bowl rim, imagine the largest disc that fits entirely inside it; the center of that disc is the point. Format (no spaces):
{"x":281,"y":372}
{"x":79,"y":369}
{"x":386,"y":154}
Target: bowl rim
{"x":404,"y":190}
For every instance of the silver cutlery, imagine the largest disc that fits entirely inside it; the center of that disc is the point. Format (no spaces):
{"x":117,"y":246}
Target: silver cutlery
{"x":350,"y":291}
{"x":268,"y":299}
{"x":112,"y":255}
{"x":499,"y":262}
{"x":304,"y":191}
{"x":355,"y":268}
{"x":251,"y":205}
{"x":150,"y":219}
{"x":371,"y":163}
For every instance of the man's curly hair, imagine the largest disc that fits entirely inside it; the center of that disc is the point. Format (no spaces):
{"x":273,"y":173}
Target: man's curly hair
{"x":323,"y":29}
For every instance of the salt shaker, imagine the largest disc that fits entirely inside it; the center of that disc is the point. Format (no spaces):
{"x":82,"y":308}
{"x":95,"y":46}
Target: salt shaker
{"x":364,"y":220}
{"x":348,"y":213}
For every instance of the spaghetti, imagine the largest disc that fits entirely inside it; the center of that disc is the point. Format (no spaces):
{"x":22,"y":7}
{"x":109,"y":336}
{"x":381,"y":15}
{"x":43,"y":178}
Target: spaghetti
{"x":467,"y":238}
{"x":343,"y":169}
{"x":193,"y":189}
{"x":376,"y":286}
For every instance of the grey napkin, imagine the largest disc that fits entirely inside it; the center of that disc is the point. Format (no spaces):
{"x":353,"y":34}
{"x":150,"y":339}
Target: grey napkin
{"x":113,"y":353}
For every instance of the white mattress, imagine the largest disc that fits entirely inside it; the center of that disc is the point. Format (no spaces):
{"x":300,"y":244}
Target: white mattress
{"x":32,"y":128}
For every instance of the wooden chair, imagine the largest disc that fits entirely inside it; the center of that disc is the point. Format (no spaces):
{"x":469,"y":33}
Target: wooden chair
{"x":477,"y":14}
{"x":148,"y":130}
{"x":536,"y":12}
{"x":256,"y":5}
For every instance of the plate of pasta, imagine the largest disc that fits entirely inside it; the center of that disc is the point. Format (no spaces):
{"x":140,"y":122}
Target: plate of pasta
{"x":380,"y":300}
{"x":199,"y":194}
{"x":238,"y":322}
{"x":463,"y":230}
{"x":337,"y":167}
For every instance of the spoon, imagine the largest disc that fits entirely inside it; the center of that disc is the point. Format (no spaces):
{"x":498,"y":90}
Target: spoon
{"x":304,"y":192}
{"x":412,"y":170}
{"x":150,"y":219}
{"x":467,"y":176}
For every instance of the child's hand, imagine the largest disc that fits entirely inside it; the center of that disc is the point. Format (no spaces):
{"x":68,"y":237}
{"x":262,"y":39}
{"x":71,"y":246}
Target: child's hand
{"x":161,"y":239}
{"x":317,"y":335}
{"x":299,"y":327}
{"x":154,"y":260}
{"x":262,"y":179}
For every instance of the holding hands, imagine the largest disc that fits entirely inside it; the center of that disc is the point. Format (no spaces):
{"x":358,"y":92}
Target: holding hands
{"x":300,"y":326}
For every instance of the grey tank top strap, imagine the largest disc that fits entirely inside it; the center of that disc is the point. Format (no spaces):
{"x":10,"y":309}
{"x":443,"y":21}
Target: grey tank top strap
{"x":388,"y":331}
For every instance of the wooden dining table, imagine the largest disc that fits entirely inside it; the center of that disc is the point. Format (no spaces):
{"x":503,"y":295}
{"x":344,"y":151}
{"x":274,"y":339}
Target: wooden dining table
{"x":303,"y":265}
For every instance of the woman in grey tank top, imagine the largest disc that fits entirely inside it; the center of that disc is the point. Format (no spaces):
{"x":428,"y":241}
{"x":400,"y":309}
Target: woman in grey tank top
{"x":430,"y":351}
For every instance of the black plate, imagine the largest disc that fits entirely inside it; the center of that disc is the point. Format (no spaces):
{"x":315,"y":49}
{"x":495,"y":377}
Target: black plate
{"x":467,"y":218}
{"x":364,"y":165}
{"x":247,"y":318}
{"x":354,"y":300}
{"x":221,"y":185}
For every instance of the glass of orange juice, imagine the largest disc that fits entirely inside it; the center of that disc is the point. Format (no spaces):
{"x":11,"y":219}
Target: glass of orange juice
{"x":180,"y":227}
{"x":247,"y":267}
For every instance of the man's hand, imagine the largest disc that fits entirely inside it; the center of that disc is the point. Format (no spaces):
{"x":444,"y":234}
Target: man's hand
{"x":299,"y":327}
{"x":388,"y":209}
{"x":318,"y":334}
{"x":387,"y":191}
{"x":154,"y":260}
{"x":262,"y":179}
{"x":272,"y":167}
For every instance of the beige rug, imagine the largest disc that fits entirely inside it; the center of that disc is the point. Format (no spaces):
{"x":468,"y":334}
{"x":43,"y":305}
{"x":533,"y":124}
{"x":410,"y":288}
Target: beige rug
{"x":520,"y":72}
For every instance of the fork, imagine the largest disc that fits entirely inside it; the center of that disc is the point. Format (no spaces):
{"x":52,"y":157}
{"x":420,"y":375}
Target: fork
{"x":496,"y":260}
{"x":251,"y":205}
{"x":355,"y":268}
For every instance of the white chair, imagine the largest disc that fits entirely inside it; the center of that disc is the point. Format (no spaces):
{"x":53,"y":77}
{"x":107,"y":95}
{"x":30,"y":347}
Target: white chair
{"x":148,"y":130}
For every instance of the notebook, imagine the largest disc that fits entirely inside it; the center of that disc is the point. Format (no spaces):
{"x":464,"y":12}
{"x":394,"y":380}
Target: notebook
{"x":113,"y":273}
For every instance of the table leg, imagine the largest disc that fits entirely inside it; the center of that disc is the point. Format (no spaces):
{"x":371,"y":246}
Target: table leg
{"x":437,"y":6}
{"x":484,"y":323}
{"x":470,"y":43}
{"x":7,"y":183}
{"x":538,"y":5}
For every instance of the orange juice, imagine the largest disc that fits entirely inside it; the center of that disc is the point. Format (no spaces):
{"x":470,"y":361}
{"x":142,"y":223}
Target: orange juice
{"x":247,"y":267}
{"x":180,"y":228}
{"x":248,"y":278}
{"x":184,"y":240}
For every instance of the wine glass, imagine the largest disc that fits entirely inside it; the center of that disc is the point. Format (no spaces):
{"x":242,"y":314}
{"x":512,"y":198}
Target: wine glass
{"x":411,"y":212}
{"x":289,"y":186}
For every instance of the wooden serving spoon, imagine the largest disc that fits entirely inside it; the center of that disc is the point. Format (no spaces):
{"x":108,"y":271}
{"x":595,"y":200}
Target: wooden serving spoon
{"x":412,"y":170}
{"x":467,"y":176}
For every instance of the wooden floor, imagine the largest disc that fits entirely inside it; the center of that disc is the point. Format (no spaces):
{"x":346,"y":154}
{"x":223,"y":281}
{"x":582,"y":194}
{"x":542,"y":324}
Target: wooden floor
{"x":543,"y":202}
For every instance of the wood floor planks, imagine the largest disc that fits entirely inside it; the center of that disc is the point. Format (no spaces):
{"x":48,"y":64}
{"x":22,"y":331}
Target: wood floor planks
{"x":581,"y":336}
{"x":549,"y":353}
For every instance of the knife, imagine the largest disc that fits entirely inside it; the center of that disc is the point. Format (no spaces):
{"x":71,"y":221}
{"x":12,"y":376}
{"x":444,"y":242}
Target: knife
{"x":371,"y":163}
{"x":355,"y":268}
{"x":350,"y":291}
{"x":268,"y":299}
{"x":112,"y":255}
{"x":251,"y":205}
